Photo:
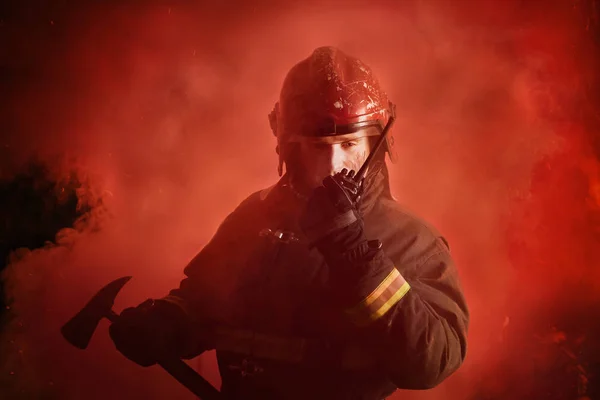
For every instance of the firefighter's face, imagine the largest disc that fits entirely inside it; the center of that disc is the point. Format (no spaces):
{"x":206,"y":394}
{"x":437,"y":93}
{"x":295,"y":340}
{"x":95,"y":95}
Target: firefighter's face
{"x":321,"y":159}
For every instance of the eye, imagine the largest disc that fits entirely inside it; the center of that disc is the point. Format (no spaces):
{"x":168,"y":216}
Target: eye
{"x":349,"y":144}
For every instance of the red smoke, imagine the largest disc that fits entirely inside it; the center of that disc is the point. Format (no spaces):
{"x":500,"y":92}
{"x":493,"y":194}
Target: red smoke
{"x":164,"y":111}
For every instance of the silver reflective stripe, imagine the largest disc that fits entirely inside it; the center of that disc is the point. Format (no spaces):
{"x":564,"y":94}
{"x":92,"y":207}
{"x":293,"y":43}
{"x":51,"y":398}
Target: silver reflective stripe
{"x":290,"y":349}
{"x":283,"y":349}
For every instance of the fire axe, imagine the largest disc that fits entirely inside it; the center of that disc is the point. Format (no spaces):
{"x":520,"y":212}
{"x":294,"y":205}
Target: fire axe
{"x":80,"y":329}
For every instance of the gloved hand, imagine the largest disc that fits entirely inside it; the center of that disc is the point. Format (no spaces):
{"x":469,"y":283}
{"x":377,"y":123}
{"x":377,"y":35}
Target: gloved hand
{"x":332,"y":223}
{"x":150,"y":332}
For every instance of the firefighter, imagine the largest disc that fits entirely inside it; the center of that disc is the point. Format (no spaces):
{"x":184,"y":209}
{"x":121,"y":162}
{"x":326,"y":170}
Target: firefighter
{"x":315,"y":288}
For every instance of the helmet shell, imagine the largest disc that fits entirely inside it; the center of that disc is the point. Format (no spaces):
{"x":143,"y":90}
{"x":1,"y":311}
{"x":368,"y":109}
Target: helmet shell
{"x":329,"y":96}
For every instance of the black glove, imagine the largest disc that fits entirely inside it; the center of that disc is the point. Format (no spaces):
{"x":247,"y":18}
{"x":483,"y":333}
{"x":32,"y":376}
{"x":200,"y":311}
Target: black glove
{"x":150,"y":332}
{"x":331,"y":221}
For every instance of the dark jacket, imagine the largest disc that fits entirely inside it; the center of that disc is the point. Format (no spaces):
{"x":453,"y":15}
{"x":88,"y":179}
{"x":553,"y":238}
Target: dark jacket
{"x":270,"y":306}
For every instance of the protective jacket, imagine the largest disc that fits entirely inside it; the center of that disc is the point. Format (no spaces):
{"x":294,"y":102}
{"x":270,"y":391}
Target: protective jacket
{"x":286,"y":327}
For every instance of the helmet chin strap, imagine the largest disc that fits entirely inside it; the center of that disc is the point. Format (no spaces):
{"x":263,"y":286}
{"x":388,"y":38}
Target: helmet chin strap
{"x":280,"y":165}
{"x":362,"y":171}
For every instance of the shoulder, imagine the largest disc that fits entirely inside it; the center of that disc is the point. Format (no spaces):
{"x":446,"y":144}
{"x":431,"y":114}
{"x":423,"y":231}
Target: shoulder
{"x":235,"y":229}
{"x":406,"y":221}
{"x":248,"y":210}
{"x":254,"y":200}
{"x":407,"y":237}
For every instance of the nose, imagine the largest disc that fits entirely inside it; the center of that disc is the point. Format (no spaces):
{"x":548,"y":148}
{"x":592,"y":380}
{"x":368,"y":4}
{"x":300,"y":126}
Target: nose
{"x":336,"y":158}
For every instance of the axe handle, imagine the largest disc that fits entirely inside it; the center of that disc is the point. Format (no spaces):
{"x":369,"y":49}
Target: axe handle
{"x":185,"y":374}
{"x":189,"y":378}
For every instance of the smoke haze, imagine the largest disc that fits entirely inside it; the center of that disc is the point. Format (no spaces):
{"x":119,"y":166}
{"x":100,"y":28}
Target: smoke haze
{"x":161,"y":109}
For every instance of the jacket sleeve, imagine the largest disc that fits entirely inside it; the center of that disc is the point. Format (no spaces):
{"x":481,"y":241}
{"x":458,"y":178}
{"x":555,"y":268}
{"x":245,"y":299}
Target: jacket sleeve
{"x":411,"y":309}
{"x":203,"y":292}
{"x":203,"y":296}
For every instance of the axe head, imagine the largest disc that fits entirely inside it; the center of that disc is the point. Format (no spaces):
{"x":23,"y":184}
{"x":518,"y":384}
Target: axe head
{"x":79,"y":330}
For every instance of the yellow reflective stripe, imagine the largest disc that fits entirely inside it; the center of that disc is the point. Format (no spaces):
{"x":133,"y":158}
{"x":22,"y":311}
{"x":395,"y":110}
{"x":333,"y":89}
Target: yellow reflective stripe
{"x":376,"y":304}
{"x":370,"y":299}
{"x":393,"y":300}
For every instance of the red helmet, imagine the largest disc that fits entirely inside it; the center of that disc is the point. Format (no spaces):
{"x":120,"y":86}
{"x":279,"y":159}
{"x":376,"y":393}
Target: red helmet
{"x":329,"y":96}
